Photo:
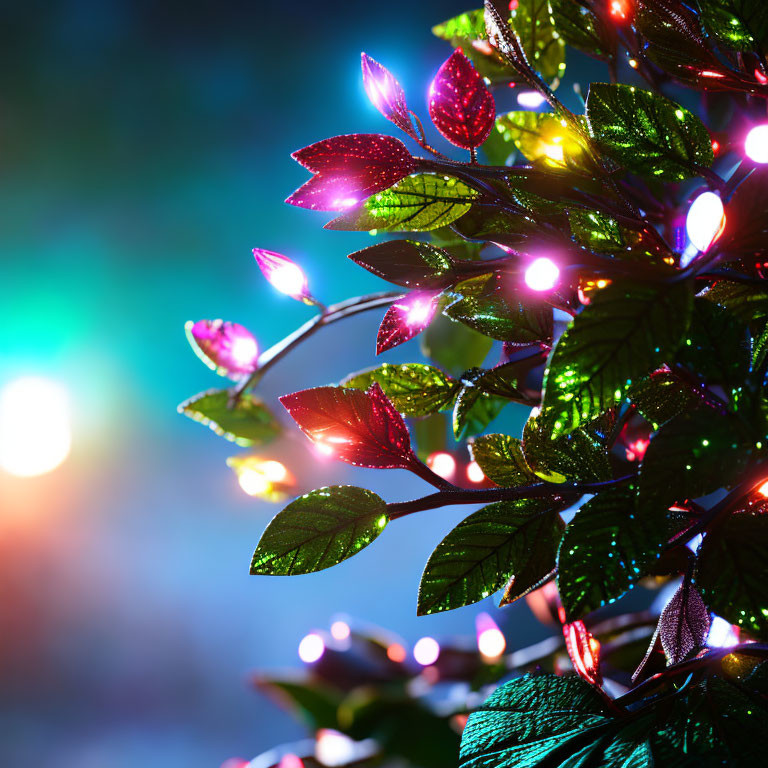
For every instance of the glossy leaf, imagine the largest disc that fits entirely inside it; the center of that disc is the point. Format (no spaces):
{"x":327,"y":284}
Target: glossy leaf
{"x":502,"y":461}
{"x":488,"y":306}
{"x":502,"y":540}
{"x":454,"y":346}
{"x":575,"y":457}
{"x":408,"y":263}
{"x":746,"y":223}
{"x":692,"y":455}
{"x":418,"y":203}
{"x":597,"y":231}
{"x":386,"y":94}
{"x":646,"y":132}
{"x":414,"y":389}
{"x":744,"y":301}
{"x":361,"y":428}
{"x":230,"y":349}
{"x":474,"y":410}
{"x":606,"y":550}
{"x":731,"y":571}
{"x":716,"y":347}
{"x":660,"y":397}
{"x":350,"y":168}
{"x":626,"y":332}
{"x":583,"y":29}
{"x":543,"y":46}
{"x":246,"y":422}
{"x":683,"y":624}
{"x":460,"y":105}
{"x":406,"y":318}
{"x":318,"y":530}
{"x":741,"y":25}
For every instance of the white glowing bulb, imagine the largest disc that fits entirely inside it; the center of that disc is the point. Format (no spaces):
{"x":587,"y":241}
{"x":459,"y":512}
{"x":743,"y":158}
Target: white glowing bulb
{"x":35,"y":429}
{"x":763,"y":489}
{"x":244,"y":350}
{"x":442,"y":464}
{"x":253,"y":482}
{"x":554,"y":151}
{"x":542,"y":274}
{"x":721,"y":634}
{"x":340,"y":630}
{"x":474,"y":473}
{"x":756,"y":144}
{"x":426,"y":651}
{"x":274,"y":471}
{"x":289,"y":279}
{"x":490,"y":640}
{"x":530,"y":99}
{"x":418,"y":312}
{"x":333,"y":748}
{"x":705,"y":220}
{"x":311,"y":648}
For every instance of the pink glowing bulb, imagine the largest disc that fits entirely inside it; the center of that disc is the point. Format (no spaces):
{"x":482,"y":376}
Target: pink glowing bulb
{"x":228,"y":348}
{"x":311,"y":648}
{"x":284,"y":275}
{"x":542,"y":274}
{"x":340,"y":630}
{"x":474,"y":473}
{"x":490,"y":640}
{"x":426,"y":651}
{"x":443,"y":464}
{"x":756,"y":144}
{"x":290,"y":760}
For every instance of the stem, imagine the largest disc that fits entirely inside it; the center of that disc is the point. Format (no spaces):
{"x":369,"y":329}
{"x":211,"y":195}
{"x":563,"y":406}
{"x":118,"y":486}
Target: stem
{"x":446,"y":498}
{"x":330,"y":315}
{"x":419,"y":468}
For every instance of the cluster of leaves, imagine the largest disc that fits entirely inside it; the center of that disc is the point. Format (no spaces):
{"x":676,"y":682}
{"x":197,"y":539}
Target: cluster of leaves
{"x":645,"y":362}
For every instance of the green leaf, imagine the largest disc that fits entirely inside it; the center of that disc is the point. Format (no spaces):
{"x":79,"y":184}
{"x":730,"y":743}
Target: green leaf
{"x":507,"y":539}
{"x":316,"y":703}
{"x":408,"y":263}
{"x":624,"y":333}
{"x":583,"y":29}
{"x":487,"y":306}
{"x":414,"y":389}
{"x":716,"y":347}
{"x":731,"y":572}
{"x":760,"y":348}
{"x":692,"y":455}
{"x":454,"y":346}
{"x":606,"y":550}
{"x":660,"y":397}
{"x":741,"y":25}
{"x":575,"y":457}
{"x":647,"y":133}
{"x":474,"y":411}
{"x":744,"y":301}
{"x":318,"y":530}
{"x":543,"y":46}
{"x":418,"y":203}
{"x":484,"y":222}
{"x":502,"y":461}
{"x":596,"y":230}
{"x":247,"y":422}
{"x":430,"y":434}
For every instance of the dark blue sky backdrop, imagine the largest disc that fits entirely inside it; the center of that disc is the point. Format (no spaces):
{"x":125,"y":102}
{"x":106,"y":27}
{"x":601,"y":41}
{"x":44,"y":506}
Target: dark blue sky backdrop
{"x":144,"y":150}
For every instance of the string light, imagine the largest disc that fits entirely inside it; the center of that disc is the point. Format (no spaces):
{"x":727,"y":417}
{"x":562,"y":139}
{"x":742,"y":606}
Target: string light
{"x":333,"y":748}
{"x":619,"y":9}
{"x":268,"y":479}
{"x":722,"y":634}
{"x":340,"y":630}
{"x":228,"y":348}
{"x":763,"y":490}
{"x":396,"y":653}
{"x":35,"y":430}
{"x":283,"y":274}
{"x":426,"y":651}
{"x":311,"y":648}
{"x":290,"y":761}
{"x":542,"y":274}
{"x":474,"y":473}
{"x":443,"y":464}
{"x":490,"y":640}
{"x":530,"y":99}
{"x":756,"y":144}
{"x":705,"y":220}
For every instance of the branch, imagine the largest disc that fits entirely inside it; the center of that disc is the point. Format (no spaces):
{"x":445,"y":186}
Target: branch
{"x":486,"y":495}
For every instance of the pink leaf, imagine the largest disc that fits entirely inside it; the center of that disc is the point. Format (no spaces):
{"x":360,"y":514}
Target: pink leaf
{"x":683,"y":624}
{"x":361,"y":428}
{"x":326,"y":193}
{"x":460,"y":105}
{"x":386,"y":94}
{"x":283,"y":273}
{"x":405,"y":319}
{"x":228,"y":348}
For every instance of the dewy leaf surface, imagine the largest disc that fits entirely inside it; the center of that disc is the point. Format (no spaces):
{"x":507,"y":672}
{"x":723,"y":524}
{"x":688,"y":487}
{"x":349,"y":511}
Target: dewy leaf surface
{"x":506,"y":539}
{"x":626,"y":332}
{"x":318,"y":530}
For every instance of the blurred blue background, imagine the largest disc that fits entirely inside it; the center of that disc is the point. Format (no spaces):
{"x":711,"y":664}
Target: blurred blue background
{"x":144,"y":150}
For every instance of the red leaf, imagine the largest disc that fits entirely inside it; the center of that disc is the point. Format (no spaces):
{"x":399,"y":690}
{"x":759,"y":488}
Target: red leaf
{"x":584,"y":651}
{"x":361,"y":428}
{"x":460,"y":105}
{"x":405,"y":319}
{"x":386,"y":94}
{"x":683,"y":624}
{"x":350,"y":168}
